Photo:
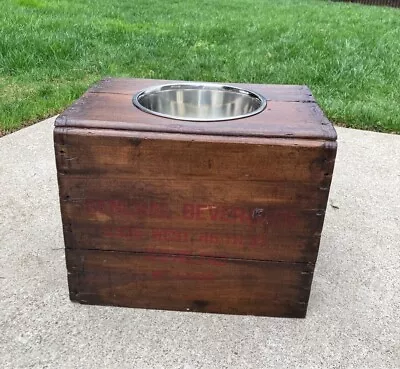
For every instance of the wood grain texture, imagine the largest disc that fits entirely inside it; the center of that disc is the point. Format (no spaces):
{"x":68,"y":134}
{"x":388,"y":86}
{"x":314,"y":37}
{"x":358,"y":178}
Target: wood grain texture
{"x":250,"y":244}
{"x":216,"y":217}
{"x":171,"y":156}
{"x":230,"y":286}
{"x":202,"y":200}
{"x":293,"y":195}
{"x":297,"y":116}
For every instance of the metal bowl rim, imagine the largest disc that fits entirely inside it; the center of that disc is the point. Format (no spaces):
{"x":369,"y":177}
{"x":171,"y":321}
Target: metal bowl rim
{"x":200,"y":85}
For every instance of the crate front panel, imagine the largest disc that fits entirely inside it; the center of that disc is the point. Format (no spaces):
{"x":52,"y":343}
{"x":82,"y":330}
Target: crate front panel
{"x":193,"y":195}
{"x":189,"y":283}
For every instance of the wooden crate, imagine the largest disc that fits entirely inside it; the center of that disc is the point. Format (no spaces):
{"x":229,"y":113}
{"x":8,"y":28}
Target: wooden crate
{"x":222,"y":217}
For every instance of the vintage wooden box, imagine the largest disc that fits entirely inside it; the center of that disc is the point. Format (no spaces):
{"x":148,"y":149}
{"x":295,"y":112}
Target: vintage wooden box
{"x":222,"y":217}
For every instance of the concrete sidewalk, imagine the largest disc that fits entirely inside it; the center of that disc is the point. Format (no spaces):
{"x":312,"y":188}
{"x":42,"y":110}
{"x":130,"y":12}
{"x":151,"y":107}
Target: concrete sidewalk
{"x":353,"y":319}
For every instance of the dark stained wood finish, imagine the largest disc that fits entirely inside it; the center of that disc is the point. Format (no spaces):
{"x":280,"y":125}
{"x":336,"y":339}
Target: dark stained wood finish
{"x":299,"y":117}
{"x":296,"y":195}
{"x":165,"y":214}
{"x":250,"y":244}
{"x":115,"y":182}
{"x":189,"y":283}
{"x":171,"y":156}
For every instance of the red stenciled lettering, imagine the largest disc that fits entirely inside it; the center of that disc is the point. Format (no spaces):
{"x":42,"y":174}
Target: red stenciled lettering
{"x":214,"y":211}
{"x":202,"y":238}
{"x":157,"y":210}
{"x":169,"y":235}
{"x":124,"y":232}
{"x":223,"y":215}
{"x":213,"y":238}
{"x":245,"y":216}
{"x":194,"y":275}
{"x":199,"y":211}
{"x":158,"y":273}
{"x":116,"y":206}
{"x":231,"y":215}
{"x":203,"y":212}
{"x":108,"y":232}
{"x":140,"y":209}
{"x":165,"y":211}
{"x":140,"y":233}
{"x":173,"y":236}
{"x":157,"y":234}
{"x":135,"y":233}
{"x":229,"y":239}
{"x":154,"y":210}
{"x":194,"y":212}
{"x":121,"y":232}
{"x":188,"y":211}
{"x":180,"y":236}
{"x":185,"y":236}
{"x":130,"y":207}
{"x":238,"y":240}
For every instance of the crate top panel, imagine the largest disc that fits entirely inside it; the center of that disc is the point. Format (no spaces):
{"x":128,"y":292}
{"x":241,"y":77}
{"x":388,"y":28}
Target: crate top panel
{"x":200,"y":109}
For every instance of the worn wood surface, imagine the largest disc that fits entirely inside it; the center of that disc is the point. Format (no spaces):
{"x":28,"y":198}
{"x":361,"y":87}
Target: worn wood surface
{"x":250,"y":244}
{"x":291,"y":112}
{"x":212,"y":196}
{"x":170,"y":156}
{"x":218,"y":217}
{"x":189,"y":283}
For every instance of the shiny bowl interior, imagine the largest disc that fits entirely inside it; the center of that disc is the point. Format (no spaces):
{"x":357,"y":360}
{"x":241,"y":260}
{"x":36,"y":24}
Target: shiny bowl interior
{"x":199,"y":102}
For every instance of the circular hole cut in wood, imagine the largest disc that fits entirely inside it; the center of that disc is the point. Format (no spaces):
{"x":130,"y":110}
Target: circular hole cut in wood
{"x":204,"y":102}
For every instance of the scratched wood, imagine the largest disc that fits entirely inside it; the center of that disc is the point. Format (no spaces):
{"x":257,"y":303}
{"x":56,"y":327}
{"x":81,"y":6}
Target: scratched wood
{"x":250,"y":244}
{"x":189,"y":283}
{"x":138,"y":212}
{"x":166,"y":156}
{"x":255,"y":229}
{"x":294,"y":195}
{"x":154,"y":208}
{"x":297,"y":116}
{"x":286,"y":227}
{"x":116,"y":197}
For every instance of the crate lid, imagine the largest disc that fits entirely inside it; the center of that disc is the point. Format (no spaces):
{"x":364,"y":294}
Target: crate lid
{"x":290,"y":112}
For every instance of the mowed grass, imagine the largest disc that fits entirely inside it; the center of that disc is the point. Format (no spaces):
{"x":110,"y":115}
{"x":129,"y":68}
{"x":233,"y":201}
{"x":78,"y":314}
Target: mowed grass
{"x":348,"y":54}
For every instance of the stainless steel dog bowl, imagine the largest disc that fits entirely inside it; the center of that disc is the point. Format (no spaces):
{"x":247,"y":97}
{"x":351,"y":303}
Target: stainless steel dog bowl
{"x":199,"y":102}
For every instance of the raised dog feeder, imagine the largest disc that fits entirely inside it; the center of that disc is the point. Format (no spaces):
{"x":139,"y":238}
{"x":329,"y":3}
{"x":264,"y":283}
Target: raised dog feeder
{"x":194,"y":196}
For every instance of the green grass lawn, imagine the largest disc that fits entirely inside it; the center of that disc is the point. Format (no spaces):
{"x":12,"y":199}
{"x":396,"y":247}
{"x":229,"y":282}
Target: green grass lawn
{"x":348,"y":54}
